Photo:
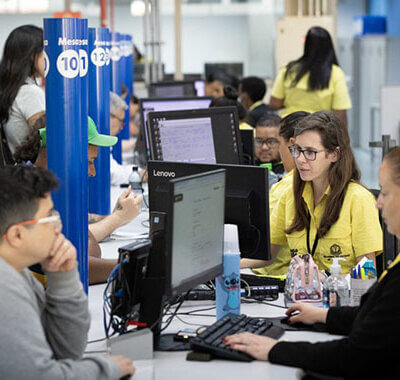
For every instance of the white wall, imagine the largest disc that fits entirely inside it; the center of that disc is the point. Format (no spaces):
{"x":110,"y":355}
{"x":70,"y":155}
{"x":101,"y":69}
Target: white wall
{"x":248,"y":37}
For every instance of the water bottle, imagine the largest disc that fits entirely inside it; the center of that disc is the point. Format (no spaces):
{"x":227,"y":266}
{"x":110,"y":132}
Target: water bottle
{"x":272,"y":177}
{"x":135,"y":181}
{"x":227,"y":292}
{"x":336,"y":288}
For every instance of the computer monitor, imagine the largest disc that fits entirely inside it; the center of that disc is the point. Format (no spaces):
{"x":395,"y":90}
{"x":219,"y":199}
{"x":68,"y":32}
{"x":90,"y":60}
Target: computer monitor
{"x":247,"y":137}
{"x":195,"y":230}
{"x":164,"y":104}
{"x":171,"y":89}
{"x":234,"y":68}
{"x":187,"y":236}
{"x":204,"y":136}
{"x":246,"y":200}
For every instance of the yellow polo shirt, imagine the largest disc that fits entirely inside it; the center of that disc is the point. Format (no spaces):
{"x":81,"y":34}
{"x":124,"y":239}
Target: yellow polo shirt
{"x":254,"y":105}
{"x":300,"y":98}
{"x":280,"y":265}
{"x":356,"y":232}
{"x":243,"y":125}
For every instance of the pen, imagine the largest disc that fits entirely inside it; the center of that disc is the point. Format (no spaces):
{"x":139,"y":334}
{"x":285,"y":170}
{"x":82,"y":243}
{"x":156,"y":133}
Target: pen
{"x":362,"y":274}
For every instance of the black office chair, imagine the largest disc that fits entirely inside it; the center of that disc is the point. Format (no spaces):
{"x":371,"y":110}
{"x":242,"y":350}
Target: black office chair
{"x":390,"y":244}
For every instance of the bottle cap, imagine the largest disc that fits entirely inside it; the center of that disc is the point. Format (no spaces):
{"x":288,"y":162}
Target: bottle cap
{"x":336,"y":269}
{"x":267,"y":165}
{"x":231,"y":238}
{"x":135,"y":168}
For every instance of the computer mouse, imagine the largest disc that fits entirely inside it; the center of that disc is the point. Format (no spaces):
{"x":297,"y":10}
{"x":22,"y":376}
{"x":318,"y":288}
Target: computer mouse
{"x":286,"y":319}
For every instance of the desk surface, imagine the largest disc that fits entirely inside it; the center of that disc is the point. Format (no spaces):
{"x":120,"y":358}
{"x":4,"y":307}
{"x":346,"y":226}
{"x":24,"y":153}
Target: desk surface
{"x":172,"y":365}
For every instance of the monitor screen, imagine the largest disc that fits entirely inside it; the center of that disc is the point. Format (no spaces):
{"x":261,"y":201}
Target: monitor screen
{"x":202,"y":136}
{"x":169,"y":104}
{"x":172,"y":89}
{"x":232,"y":68}
{"x":197,"y":237}
{"x":246,"y":199}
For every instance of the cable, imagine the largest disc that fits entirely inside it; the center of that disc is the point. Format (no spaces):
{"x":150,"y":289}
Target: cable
{"x":97,"y":340}
{"x":96,"y":352}
{"x":191,"y":324}
{"x":145,"y":223}
{"x":264,"y":303}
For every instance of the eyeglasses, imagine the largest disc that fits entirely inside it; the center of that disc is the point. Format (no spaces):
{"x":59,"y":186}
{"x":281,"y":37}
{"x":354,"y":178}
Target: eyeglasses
{"x":309,"y":155}
{"x":54,"y":219}
{"x":122,"y":121}
{"x":271,"y":142}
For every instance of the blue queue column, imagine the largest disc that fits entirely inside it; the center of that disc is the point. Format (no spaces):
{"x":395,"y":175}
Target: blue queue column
{"x":65,"y":41}
{"x":127,"y":79}
{"x":99,"y":111}
{"x":116,"y":82}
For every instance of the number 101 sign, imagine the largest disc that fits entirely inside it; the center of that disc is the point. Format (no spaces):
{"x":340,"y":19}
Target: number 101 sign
{"x":71,"y":63}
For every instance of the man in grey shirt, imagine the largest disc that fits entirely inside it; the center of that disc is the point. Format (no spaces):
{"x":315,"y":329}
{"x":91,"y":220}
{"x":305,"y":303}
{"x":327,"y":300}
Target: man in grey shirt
{"x":43,"y":333}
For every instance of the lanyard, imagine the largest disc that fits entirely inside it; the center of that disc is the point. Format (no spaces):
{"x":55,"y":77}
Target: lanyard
{"x":308,"y":238}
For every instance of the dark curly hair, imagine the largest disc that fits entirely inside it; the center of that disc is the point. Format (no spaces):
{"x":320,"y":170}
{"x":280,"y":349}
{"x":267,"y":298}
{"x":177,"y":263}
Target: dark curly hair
{"x":21,"y":186}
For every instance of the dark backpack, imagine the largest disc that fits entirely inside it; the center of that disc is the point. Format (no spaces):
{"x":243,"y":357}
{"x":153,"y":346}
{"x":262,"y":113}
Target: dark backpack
{"x":5,"y":153}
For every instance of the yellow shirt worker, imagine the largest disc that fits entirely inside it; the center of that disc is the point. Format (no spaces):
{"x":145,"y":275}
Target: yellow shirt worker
{"x":280,"y":265}
{"x":300,"y":98}
{"x":356,"y":232}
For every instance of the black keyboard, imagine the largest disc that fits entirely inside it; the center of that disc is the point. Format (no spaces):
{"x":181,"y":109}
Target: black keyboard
{"x":209,"y":340}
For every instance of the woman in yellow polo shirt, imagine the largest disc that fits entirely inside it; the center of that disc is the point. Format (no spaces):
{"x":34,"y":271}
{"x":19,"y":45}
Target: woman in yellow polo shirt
{"x":287,"y":127}
{"x":370,"y":346}
{"x":327,"y":212}
{"x":314,"y":82}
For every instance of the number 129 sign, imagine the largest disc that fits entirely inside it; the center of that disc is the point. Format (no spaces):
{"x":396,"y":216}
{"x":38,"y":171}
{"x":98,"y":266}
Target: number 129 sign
{"x":71,"y":63}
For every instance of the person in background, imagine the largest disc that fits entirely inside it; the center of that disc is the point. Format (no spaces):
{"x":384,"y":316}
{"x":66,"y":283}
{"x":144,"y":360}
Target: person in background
{"x":266,"y":143}
{"x":119,"y":173}
{"x":230,"y":99}
{"x":215,"y":83}
{"x":134,"y":124}
{"x":134,"y":116}
{"x":44,"y":331}
{"x":314,"y":82}
{"x":369,"y":349}
{"x":327,"y":212}
{"x":22,"y":101}
{"x":279,"y":266}
{"x":252,"y":91}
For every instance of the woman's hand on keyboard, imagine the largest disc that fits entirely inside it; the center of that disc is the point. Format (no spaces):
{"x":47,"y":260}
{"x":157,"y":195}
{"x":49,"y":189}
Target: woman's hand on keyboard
{"x":256,"y":346}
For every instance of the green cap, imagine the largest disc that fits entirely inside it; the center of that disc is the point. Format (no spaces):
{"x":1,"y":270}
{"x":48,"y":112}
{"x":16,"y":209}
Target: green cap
{"x":94,"y":137}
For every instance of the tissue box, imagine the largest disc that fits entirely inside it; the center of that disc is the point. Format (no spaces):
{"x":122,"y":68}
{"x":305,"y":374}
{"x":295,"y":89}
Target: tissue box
{"x":358,"y":288}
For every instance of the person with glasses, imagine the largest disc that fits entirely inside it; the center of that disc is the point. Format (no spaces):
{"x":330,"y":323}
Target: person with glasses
{"x":369,"y":346}
{"x":43,"y":332}
{"x":119,"y":173}
{"x":287,"y":127}
{"x":327,"y":212}
{"x":266,"y":143}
